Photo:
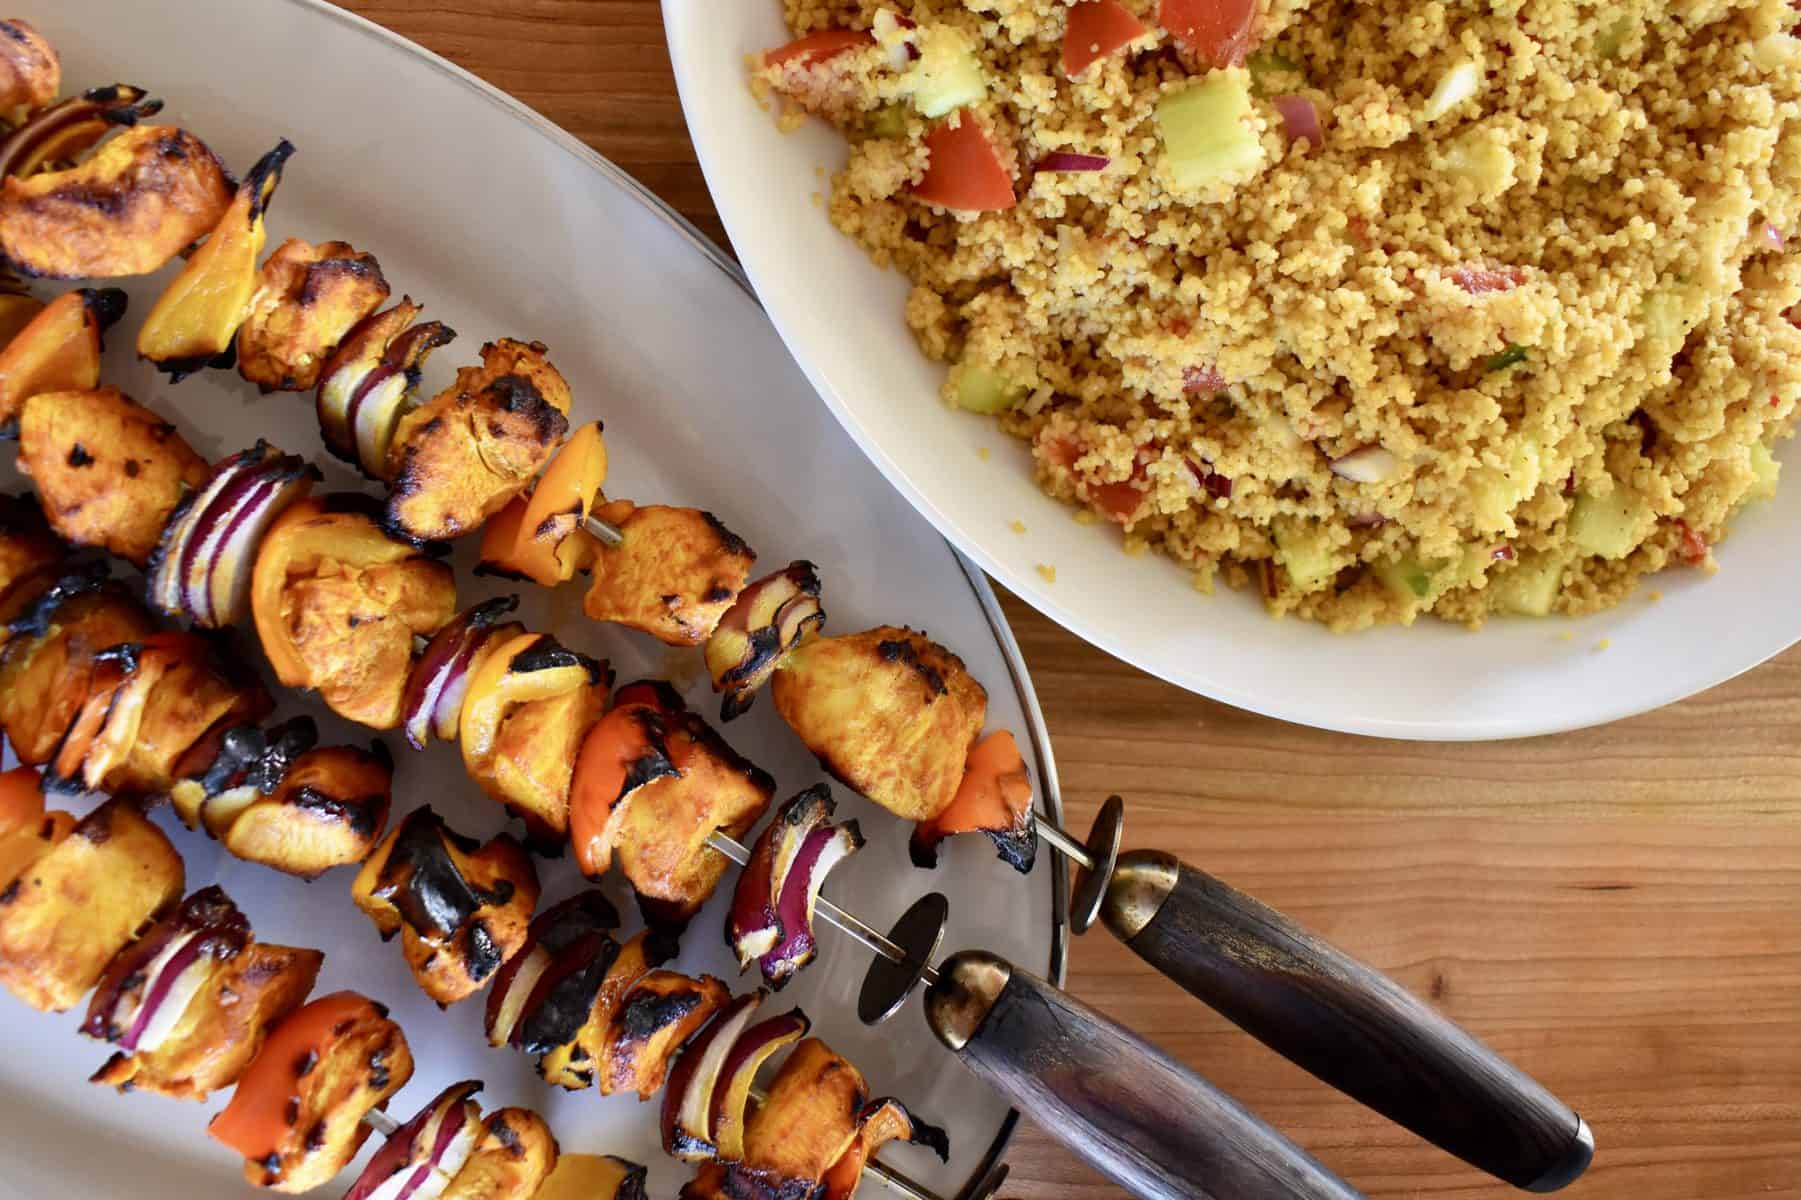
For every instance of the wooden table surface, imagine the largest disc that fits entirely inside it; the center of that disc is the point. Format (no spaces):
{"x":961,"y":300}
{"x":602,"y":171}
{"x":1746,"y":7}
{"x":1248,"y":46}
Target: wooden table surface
{"x":1618,"y":910}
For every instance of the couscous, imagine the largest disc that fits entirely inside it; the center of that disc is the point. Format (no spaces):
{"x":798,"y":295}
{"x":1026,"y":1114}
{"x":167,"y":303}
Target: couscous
{"x":1380,"y":309}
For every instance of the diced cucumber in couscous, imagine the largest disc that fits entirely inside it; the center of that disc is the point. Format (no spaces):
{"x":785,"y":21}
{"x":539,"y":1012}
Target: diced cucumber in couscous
{"x":1610,"y":526}
{"x":1208,"y":135}
{"x":1529,"y":587}
{"x":947,"y":75}
{"x":982,"y":389}
{"x":1304,"y":550}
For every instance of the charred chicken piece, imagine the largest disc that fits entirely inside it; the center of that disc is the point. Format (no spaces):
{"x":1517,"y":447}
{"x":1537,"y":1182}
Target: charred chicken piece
{"x":659,"y":1013}
{"x":108,"y":471}
{"x":529,"y":703}
{"x":674,"y":576}
{"x":188,"y":1004}
{"x":296,"y":1116}
{"x":368,"y":384}
{"x":770,"y":617}
{"x":194,"y":319}
{"x":272,"y":798}
{"x":771,"y":919}
{"x":338,"y":603}
{"x":461,"y":907}
{"x":59,"y":350}
{"x":888,"y":711}
{"x":27,"y":831}
{"x":142,"y":197}
{"x":456,"y":460}
{"x":30,"y":73}
{"x":652,"y":782}
{"x":327,"y":811}
{"x":594,"y":1177}
{"x":65,"y":916}
{"x":48,"y":661}
{"x":994,"y":798}
{"x":308,"y":299}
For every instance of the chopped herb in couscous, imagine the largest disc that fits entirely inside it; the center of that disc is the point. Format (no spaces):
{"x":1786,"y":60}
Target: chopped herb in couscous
{"x":1378,"y":309}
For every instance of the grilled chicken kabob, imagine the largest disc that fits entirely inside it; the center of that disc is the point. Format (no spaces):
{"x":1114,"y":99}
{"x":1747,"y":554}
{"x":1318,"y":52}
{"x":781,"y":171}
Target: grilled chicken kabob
{"x":308,"y":319}
{"x":195,"y":1004}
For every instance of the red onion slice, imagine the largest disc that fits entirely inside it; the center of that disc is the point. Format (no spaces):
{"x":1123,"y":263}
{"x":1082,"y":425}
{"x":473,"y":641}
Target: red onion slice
{"x":1300,"y":119}
{"x":824,"y":849}
{"x":164,"y":970}
{"x":754,"y":927}
{"x":1366,"y":464}
{"x":688,"y":1100}
{"x":420,"y":1158}
{"x":120,"y":104}
{"x":433,"y":699}
{"x":746,"y":1054}
{"x":1067,"y":161}
{"x":509,"y":1008}
{"x":234,"y":564}
{"x":167,"y":569}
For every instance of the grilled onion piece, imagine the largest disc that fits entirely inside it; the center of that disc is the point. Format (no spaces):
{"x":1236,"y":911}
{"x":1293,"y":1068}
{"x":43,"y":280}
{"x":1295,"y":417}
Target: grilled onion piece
{"x":108,"y":472}
{"x":674,"y":576}
{"x":545,"y":996}
{"x":888,"y":711}
{"x":190,"y":1002}
{"x":337,"y":604}
{"x":65,"y":916}
{"x":59,"y":350}
{"x":307,"y":300}
{"x":297,"y":1114}
{"x":771,"y":919}
{"x":460,"y":907}
{"x":49,"y":659}
{"x":144,"y":196}
{"x":456,"y":460}
{"x":367,"y":384}
{"x":770,"y":617}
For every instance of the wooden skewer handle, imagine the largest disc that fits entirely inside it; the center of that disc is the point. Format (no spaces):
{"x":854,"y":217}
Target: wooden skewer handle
{"x":1345,"y":1022}
{"x":1130,"y":1110}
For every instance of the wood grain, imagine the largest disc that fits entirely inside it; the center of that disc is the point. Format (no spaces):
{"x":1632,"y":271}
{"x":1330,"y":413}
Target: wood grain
{"x":1617,"y":910}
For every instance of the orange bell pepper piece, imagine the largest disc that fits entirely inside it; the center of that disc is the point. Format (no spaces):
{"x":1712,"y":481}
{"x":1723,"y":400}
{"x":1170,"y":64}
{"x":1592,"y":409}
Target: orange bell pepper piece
{"x":255,"y":1122}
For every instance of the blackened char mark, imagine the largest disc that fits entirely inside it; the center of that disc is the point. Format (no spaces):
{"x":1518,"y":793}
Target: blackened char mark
{"x":906,"y":654}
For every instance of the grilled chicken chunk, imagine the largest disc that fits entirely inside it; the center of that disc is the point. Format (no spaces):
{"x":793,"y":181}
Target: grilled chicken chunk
{"x":770,"y":617}
{"x":108,"y":471}
{"x":296,"y":1116}
{"x":888,"y":711}
{"x":674,"y":576}
{"x":327,"y":811}
{"x":456,"y":460}
{"x":146,"y":194}
{"x":658,"y":1013}
{"x":189,"y":1003}
{"x":307,"y":299}
{"x":68,"y":913}
{"x":461,"y":908}
{"x":30,"y":72}
{"x":338,"y":603}
{"x":595,"y":1177}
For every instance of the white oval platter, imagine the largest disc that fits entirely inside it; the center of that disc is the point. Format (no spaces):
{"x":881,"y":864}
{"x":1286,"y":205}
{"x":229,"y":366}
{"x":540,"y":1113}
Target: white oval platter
{"x":503,"y":224}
